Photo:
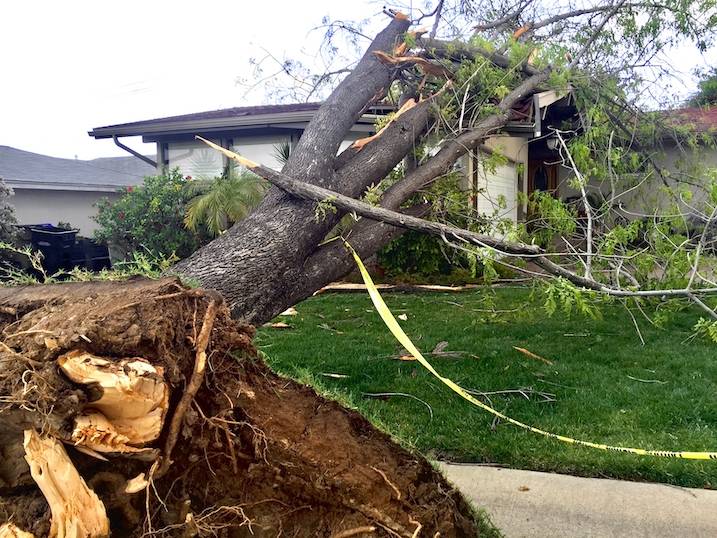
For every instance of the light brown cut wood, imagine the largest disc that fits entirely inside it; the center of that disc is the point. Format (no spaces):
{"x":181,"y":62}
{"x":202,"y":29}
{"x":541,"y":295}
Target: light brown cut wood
{"x":134,"y":395}
{"x":10,"y":530}
{"x":95,"y":431}
{"x":76,"y":511}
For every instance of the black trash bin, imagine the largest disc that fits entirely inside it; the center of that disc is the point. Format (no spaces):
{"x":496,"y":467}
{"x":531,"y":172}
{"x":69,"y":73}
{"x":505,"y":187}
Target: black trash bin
{"x":56,"y":245}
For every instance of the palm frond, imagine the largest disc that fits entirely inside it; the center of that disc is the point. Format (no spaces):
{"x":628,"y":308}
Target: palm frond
{"x":224,"y":201}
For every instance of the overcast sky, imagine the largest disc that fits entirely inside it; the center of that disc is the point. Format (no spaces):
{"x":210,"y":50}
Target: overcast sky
{"x":72,"y":65}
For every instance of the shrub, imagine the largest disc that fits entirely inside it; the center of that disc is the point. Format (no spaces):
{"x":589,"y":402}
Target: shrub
{"x":150,"y":217}
{"x":7,"y":214}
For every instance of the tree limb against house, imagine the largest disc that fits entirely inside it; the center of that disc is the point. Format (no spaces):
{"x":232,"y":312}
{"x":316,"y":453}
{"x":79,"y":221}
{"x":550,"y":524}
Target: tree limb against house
{"x":456,"y":103}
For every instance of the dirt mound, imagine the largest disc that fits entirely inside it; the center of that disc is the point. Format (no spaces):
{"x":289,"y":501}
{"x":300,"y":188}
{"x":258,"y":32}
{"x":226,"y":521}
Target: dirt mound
{"x":256,"y":454}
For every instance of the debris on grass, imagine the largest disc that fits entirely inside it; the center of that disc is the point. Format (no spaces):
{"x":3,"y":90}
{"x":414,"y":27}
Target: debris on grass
{"x":532,"y":355}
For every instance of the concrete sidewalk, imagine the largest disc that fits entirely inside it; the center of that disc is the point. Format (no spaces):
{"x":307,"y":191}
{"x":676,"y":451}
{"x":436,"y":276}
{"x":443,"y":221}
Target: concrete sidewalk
{"x":530,"y":504}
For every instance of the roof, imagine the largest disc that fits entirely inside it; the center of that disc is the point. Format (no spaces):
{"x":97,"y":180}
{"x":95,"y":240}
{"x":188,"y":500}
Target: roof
{"x":27,"y":170}
{"x":295,"y":115}
{"x":700,"y":119}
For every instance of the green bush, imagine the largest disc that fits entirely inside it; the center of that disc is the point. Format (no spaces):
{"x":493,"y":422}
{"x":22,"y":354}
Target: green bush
{"x":416,"y":253}
{"x":7,"y":214}
{"x":150,"y":217}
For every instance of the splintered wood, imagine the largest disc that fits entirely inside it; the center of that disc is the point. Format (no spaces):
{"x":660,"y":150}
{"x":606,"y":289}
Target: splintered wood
{"x":132,"y":407}
{"x":77,"y":512}
{"x":10,"y":530}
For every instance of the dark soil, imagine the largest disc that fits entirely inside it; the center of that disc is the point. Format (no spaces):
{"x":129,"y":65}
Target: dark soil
{"x":258,"y":455}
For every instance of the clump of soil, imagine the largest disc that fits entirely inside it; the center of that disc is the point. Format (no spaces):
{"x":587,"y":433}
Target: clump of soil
{"x":257,"y":454}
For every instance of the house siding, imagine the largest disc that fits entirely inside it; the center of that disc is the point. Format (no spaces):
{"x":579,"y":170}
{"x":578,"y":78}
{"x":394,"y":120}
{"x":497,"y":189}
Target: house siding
{"x":196,"y":159}
{"x":505,"y":182}
{"x":40,"y":206}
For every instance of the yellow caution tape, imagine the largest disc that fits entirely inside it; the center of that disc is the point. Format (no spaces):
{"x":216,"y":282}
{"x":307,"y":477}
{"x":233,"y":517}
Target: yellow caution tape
{"x":405,"y":341}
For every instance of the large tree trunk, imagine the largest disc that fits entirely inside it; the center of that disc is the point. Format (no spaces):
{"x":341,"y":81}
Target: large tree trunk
{"x":274,"y":258}
{"x":259,"y":262}
{"x":239,"y":451}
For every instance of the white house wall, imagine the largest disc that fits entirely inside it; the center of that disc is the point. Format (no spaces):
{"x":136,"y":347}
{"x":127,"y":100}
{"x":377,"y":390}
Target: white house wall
{"x":39,"y":206}
{"x":503,"y":184}
{"x":195,"y":159}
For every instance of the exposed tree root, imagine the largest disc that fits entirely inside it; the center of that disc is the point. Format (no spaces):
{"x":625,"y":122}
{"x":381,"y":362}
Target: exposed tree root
{"x":240,"y":451}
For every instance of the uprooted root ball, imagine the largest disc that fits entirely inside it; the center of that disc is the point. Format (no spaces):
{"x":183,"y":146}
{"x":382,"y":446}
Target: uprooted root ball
{"x":123,"y":373}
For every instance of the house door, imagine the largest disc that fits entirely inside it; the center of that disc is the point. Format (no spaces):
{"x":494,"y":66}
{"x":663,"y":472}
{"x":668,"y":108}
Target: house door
{"x":542,"y":177}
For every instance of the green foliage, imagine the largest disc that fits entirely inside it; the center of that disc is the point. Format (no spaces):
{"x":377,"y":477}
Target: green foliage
{"x":323,"y":208}
{"x":7,"y":214}
{"x":707,"y":327}
{"x":11,"y":275}
{"x":224,"y":201}
{"x":282,"y":151}
{"x":143,"y":264}
{"x":706,"y":94}
{"x":417,"y":253}
{"x":150,"y":217}
{"x":549,"y":218}
{"x":563,"y":295}
{"x":140,"y":263}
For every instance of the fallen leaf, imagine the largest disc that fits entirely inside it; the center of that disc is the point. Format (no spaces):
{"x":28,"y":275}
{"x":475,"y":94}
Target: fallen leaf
{"x":523,"y":488}
{"x":335,"y":376}
{"x":440,"y":346}
{"x":279,"y":325}
{"x":406,"y":358}
{"x":51,"y":344}
{"x":291,"y":311}
{"x":402,"y":317}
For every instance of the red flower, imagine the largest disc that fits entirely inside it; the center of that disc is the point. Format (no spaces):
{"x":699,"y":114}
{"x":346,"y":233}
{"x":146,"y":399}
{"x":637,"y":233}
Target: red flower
{"x":130,"y":189}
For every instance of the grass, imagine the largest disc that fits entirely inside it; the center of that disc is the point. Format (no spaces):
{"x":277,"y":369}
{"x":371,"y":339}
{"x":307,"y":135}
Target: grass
{"x":608,"y":387}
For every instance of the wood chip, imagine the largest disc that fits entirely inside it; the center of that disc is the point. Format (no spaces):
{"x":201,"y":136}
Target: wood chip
{"x":532,"y":355}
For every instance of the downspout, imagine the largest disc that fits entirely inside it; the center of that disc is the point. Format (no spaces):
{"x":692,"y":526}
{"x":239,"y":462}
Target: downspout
{"x":133,"y":152}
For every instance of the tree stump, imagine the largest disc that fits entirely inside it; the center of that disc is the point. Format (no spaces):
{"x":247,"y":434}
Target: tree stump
{"x":172,"y":426}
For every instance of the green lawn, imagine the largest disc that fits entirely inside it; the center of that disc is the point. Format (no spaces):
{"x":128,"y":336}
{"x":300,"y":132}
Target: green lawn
{"x":599,"y":379}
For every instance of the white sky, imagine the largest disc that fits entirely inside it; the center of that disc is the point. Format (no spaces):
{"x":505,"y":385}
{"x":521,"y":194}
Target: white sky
{"x":72,"y":65}
{"x":68,"y":66}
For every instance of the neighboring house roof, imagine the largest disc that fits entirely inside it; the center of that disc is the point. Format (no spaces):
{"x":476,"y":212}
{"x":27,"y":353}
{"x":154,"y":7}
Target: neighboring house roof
{"x":26,"y":170}
{"x":295,"y":116}
{"x":701,"y":120}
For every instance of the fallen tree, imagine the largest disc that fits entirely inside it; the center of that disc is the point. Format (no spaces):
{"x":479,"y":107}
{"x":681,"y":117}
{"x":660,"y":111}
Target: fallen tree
{"x":450,"y":97}
{"x":142,"y":408}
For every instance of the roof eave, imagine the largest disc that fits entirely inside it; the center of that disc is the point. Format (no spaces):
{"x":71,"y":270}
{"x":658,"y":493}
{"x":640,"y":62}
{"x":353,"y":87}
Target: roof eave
{"x":214,"y":124}
{"x":31,"y":184}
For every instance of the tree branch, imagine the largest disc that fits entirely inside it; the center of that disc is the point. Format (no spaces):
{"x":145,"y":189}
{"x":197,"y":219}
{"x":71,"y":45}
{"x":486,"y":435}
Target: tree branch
{"x":459,"y":50}
{"x":308,"y":191}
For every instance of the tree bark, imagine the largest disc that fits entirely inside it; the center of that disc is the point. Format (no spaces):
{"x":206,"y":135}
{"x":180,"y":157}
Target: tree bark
{"x":273,"y":259}
{"x":257,"y":263}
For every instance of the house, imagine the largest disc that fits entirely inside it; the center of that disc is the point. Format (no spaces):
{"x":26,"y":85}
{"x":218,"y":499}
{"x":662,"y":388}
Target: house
{"x":257,"y":132}
{"x":49,"y":190}
{"x":529,"y":161}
